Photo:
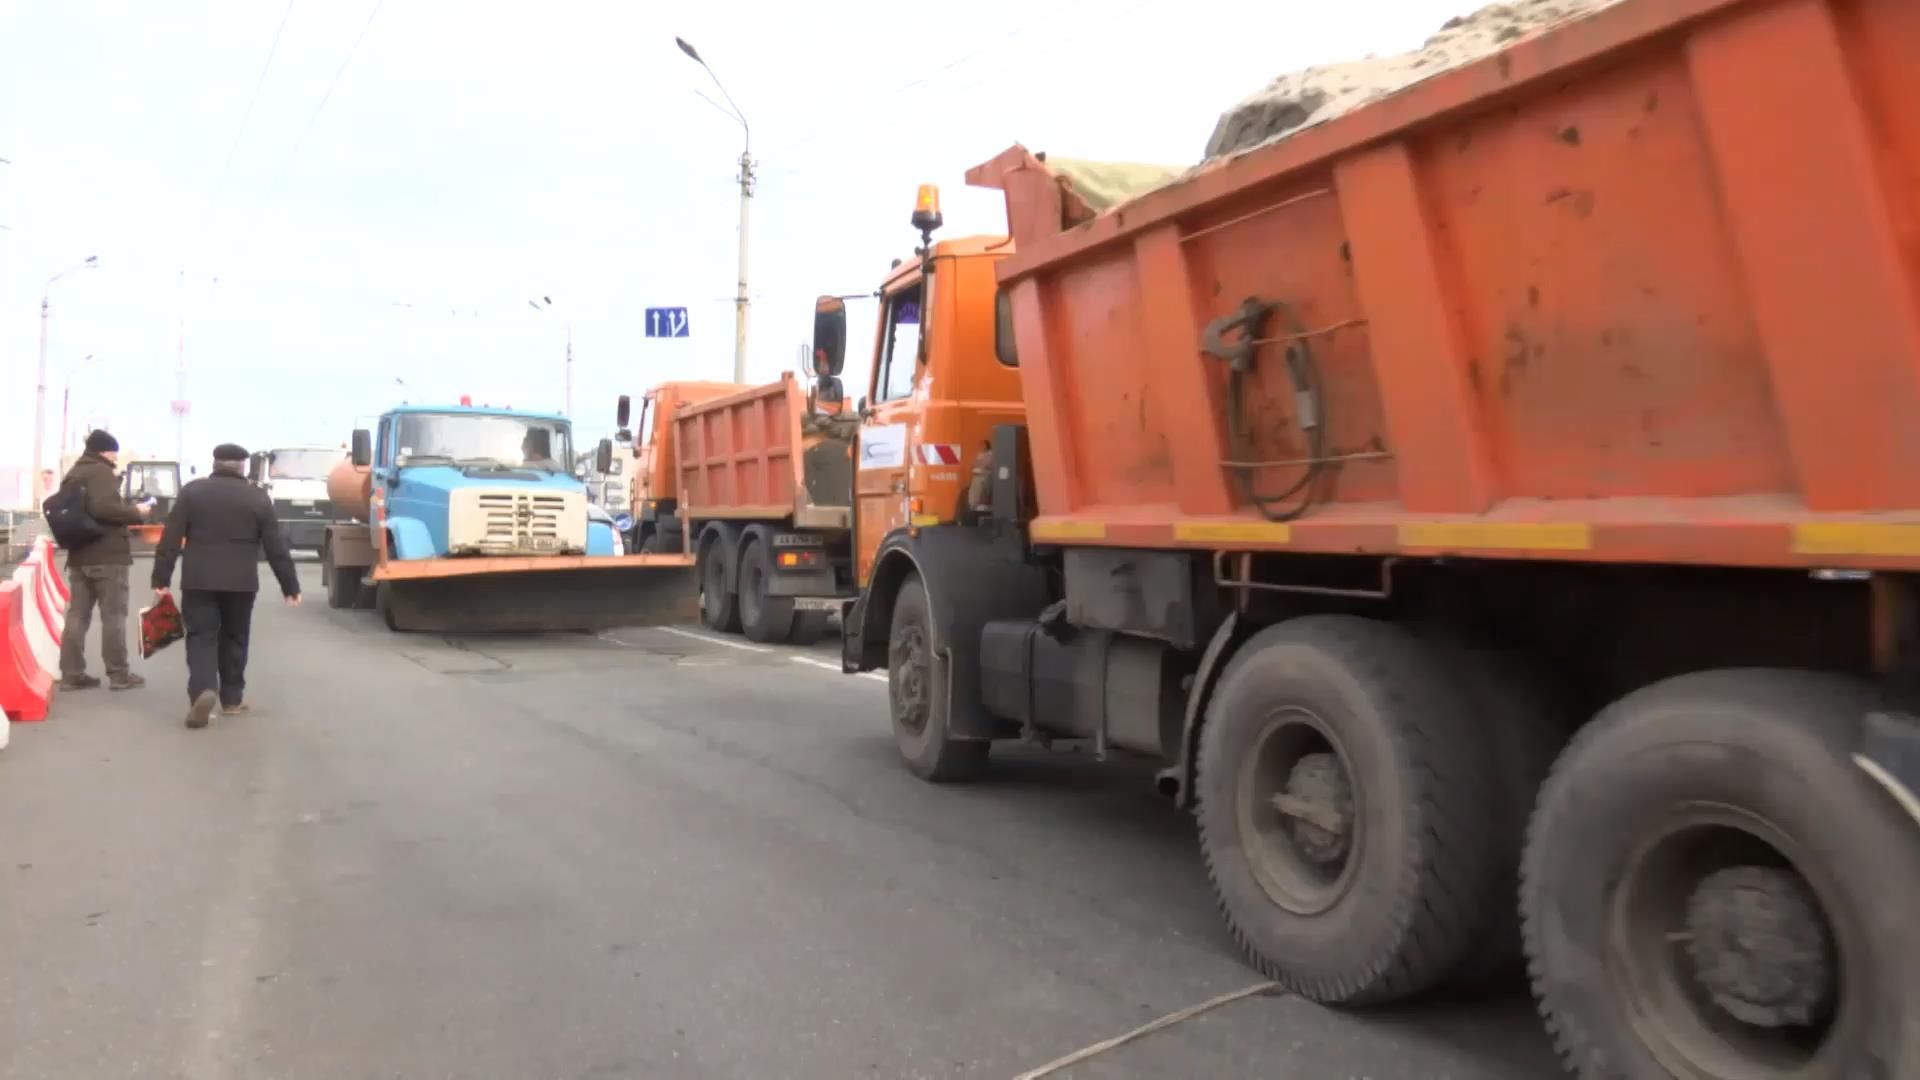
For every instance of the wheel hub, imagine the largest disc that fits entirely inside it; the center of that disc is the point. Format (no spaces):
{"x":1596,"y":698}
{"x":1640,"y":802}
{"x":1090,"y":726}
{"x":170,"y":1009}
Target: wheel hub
{"x":1760,"y":947}
{"x":1319,"y":800}
{"x":906,"y":665}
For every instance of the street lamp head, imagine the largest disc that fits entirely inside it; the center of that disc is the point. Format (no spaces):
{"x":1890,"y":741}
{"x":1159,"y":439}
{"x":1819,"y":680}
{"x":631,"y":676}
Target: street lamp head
{"x":689,"y":50}
{"x":92,"y":261}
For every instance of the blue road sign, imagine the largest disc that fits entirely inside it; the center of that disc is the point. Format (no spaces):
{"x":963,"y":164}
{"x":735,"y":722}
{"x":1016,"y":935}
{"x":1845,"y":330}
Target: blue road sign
{"x":666,"y":322}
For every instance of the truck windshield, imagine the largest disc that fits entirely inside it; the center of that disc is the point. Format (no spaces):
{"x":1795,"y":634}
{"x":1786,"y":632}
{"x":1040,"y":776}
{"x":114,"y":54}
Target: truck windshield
{"x":302,"y":464}
{"x":158,"y":479}
{"x":463,"y":439}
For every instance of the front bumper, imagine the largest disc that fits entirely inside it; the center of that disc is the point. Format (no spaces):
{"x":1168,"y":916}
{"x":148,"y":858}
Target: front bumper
{"x":428,"y":569}
{"x":303,"y":534}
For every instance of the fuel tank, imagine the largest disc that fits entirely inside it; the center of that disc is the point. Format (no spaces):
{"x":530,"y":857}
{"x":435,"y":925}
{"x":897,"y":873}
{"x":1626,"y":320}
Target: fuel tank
{"x":351,"y":489}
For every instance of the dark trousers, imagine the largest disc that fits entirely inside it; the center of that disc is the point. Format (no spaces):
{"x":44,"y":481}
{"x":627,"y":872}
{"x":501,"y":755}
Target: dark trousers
{"x":105,"y":587}
{"x":218,"y":626}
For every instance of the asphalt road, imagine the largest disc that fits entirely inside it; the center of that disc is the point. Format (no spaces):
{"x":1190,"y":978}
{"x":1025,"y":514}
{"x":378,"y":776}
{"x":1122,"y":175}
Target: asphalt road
{"x":644,"y":854}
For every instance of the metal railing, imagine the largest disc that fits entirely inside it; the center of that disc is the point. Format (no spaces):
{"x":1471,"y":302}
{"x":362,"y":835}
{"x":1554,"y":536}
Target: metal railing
{"x":18,"y":530}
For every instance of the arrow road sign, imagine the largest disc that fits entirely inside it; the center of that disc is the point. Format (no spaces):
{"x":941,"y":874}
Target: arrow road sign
{"x":666,"y":322}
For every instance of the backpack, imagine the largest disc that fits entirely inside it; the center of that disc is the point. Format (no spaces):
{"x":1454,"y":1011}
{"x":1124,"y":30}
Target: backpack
{"x":68,"y":519}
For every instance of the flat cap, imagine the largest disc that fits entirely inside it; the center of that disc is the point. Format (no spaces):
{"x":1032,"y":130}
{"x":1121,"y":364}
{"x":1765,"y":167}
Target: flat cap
{"x":227,"y":451}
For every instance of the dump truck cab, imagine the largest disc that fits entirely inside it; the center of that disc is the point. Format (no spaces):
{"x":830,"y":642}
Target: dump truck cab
{"x":935,"y":392}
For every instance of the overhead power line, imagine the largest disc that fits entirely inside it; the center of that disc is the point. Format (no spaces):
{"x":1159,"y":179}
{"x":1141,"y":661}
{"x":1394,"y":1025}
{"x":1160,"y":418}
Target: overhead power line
{"x":254,"y":98}
{"x":335,"y":84}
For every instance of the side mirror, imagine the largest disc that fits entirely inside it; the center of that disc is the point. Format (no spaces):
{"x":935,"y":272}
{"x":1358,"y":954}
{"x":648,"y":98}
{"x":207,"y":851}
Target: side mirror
{"x":362,"y":448}
{"x":603,"y":457}
{"x":829,"y":336}
{"x":623,"y":412}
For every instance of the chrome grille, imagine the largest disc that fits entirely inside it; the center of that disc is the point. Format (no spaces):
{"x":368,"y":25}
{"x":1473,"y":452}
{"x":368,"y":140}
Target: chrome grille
{"x":521,"y":521}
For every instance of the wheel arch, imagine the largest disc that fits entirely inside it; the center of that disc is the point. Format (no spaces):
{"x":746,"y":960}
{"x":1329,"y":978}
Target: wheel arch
{"x":1176,"y":780}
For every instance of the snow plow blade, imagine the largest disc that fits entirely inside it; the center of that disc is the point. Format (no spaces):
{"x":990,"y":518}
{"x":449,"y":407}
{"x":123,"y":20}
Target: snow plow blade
{"x":488,"y":595}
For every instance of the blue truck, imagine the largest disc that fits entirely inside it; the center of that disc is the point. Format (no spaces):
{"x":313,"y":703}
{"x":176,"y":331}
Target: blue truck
{"x":471,"y":519}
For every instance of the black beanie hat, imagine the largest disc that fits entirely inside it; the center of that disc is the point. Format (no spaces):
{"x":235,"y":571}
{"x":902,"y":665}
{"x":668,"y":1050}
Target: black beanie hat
{"x":102,"y":442}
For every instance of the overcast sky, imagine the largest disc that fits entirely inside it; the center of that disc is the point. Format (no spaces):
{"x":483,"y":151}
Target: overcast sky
{"x":412,"y":172}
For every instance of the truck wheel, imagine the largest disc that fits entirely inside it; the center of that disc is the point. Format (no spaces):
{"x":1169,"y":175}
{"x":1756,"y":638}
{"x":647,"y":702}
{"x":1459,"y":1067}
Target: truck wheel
{"x":343,"y":587}
{"x":1709,"y":888}
{"x":1525,"y":727}
{"x":808,"y":627}
{"x":719,"y":607}
{"x":383,"y":602}
{"x":917,"y":698}
{"x":763,"y":618}
{"x":1341,"y":798}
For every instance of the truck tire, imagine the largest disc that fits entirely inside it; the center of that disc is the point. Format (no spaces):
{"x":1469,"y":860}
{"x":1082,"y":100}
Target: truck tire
{"x":383,"y":603}
{"x":1709,"y":888}
{"x":916,"y":695}
{"x":763,"y":618}
{"x":808,"y":627}
{"x":1525,"y":726}
{"x":1341,"y":799}
{"x":719,"y":606}
{"x":343,"y":586}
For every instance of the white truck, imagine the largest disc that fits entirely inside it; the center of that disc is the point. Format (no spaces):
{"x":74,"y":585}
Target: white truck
{"x":295,"y":477}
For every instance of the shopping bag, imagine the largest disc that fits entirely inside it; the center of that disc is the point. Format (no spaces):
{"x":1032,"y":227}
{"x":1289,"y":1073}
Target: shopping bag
{"x":159,"y":626}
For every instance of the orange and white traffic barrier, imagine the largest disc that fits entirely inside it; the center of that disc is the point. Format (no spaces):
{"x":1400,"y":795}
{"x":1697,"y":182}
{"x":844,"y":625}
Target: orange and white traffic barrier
{"x":44,"y":614}
{"x":26,"y":687}
{"x":42,"y":556}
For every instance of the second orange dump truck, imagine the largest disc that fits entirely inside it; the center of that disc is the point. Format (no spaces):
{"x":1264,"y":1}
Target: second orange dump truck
{"x":1497,"y":510}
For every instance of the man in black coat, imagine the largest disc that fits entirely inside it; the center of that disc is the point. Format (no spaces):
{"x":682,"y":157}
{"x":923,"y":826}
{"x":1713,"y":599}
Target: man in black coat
{"x":225,"y":521}
{"x":97,"y":572}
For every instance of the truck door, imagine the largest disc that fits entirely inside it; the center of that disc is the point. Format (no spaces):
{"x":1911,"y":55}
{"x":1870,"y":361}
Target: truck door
{"x":881,"y":477}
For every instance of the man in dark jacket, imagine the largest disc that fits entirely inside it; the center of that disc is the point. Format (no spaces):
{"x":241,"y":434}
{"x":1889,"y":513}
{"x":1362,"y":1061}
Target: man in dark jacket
{"x":97,"y":572}
{"x":225,"y":521}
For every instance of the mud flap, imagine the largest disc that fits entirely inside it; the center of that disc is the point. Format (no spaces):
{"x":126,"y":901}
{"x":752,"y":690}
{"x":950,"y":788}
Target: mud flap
{"x":584,"y":599}
{"x":1889,"y":752}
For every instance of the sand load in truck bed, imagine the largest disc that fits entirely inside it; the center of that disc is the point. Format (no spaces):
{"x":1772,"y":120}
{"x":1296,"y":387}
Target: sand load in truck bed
{"x":1315,"y":95}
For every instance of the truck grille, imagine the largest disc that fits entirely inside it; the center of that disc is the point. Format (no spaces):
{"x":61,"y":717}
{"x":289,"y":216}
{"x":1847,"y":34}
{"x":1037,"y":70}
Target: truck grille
{"x":303,"y":509}
{"x":522,"y":521}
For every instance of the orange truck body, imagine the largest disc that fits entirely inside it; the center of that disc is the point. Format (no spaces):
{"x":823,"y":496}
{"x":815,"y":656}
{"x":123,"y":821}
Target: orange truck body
{"x":747,"y":456}
{"x":654,"y":486}
{"x":1574,"y":387}
{"x":1625,"y":292}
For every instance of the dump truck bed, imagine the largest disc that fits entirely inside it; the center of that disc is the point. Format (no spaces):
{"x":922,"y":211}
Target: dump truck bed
{"x":1643,"y":288}
{"x":758,"y":455}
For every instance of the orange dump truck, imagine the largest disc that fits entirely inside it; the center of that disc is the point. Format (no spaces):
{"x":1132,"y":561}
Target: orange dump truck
{"x":786,"y":519}
{"x":653,"y":494}
{"x":765,"y":483}
{"x":1498,"y":511}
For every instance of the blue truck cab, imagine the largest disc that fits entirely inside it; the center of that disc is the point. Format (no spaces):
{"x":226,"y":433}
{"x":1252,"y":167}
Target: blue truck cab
{"x":453,"y":481}
{"x":458,"y":493}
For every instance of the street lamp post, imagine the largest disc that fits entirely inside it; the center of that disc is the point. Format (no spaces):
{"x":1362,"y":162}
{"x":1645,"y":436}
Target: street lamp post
{"x":40,"y":383}
{"x":740,"y":302}
{"x":66,"y":405}
{"x":543,"y":304}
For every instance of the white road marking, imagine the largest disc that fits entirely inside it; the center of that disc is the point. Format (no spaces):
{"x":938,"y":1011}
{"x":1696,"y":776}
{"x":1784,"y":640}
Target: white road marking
{"x":744,"y":647}
{"x":835,"y":668}
{"x":709,"y":639}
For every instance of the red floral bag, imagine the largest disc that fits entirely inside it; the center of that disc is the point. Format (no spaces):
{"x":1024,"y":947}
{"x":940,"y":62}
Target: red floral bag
{"x":159,"y":626}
